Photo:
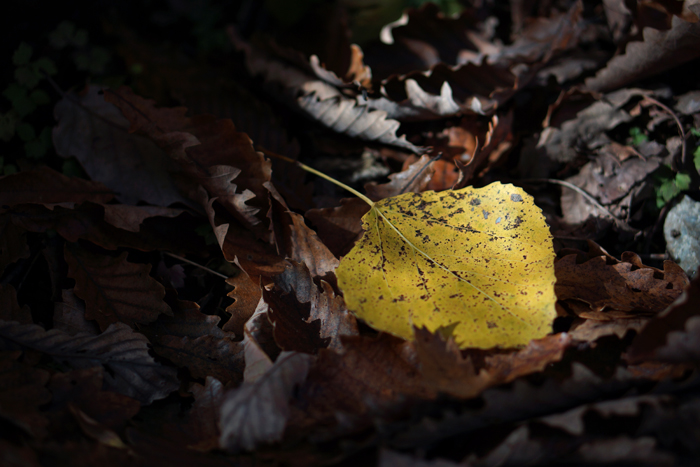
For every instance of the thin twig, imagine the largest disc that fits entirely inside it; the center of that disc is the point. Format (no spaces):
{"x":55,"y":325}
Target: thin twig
{"x":581,"y":191}
{"x":196,"y":265}
{"x":684,"y":162}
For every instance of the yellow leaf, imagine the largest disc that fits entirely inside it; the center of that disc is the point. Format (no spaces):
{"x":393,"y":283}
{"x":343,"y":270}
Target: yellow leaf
{"x":478,"y":258}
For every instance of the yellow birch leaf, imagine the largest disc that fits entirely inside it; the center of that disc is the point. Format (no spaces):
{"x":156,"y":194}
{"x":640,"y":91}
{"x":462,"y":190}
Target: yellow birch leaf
{"x":480,"y":260}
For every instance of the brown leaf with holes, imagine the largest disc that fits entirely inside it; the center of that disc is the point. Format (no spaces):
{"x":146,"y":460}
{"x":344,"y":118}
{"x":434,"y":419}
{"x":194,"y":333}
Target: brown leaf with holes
{"x":114,"y":289}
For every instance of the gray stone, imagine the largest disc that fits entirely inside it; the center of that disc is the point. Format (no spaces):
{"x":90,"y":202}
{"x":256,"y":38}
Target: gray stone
{"x":682,"y":233}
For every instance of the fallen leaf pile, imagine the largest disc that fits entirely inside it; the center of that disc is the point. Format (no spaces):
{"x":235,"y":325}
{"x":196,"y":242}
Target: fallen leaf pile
{"x":177,"y":289}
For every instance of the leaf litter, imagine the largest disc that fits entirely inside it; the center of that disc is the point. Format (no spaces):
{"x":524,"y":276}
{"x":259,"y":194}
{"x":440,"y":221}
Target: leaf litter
{"x":114,"y":352}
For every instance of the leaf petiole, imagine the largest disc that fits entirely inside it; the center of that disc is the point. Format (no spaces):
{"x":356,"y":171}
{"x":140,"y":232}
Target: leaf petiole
{"x":316,"y":172}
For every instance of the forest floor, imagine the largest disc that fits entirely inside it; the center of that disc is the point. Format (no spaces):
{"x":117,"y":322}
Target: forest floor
{"x":337,"y":232}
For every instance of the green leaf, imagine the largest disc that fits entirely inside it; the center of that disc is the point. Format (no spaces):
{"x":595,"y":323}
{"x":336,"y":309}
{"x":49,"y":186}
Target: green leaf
{"x":46,"y":65}
{"x":668,"y":190}
{"x":696,"y":158}
{"x":26,"y":132}
{"x":480,"y":260}
{"x":22,"y":54}
{"x":40,"y":146}
{"x":39,"y":97}
{"x":682,"y":181}
{"x":637,"y":136}
{"x":22,"y":104}
{"x":27,"y":77}
{"x":80,"y":39}
{"x":62,"y":35}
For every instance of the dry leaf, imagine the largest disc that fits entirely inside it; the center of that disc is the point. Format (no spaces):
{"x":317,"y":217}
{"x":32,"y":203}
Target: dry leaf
{"x":477,"y":259}
{"x":625,"y":286}
{"x":256,"y":413}
{"x":96,"y":133}
{"x":132,"y":371}
{"x":115,"y":289}
{"x":46,"y":186}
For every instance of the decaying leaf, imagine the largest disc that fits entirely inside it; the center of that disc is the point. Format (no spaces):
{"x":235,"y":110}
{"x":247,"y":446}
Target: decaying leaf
{"x":625,"y":286}
{"x":658,"y":51}
{"x":132,"y":371}
{"x":257,"y":413}
{"x":46,"y":186}
{"x":477,"y":259}
{"x":115,"y":289}
{"x":96,"y":133}
{"x":324,"y":102}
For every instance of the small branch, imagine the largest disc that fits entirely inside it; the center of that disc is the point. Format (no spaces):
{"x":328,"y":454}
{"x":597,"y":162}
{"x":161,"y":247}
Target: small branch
{"x":211,"y":271}
{"x":684,"y":162}
{"x":582,"y":192}
{"x":316,"y":172}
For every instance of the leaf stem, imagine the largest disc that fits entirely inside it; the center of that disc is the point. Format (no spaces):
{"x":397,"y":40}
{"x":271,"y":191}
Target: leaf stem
{"x":316,"y":172}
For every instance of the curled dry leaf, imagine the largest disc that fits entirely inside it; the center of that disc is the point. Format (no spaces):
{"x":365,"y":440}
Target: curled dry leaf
{"x":97,"y":134}
{"x":132,"y":371}
{"x":256,"y":413}
{"x":115,"y":289}
{"x":413,"y":179}
{"x":323,"y":102}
